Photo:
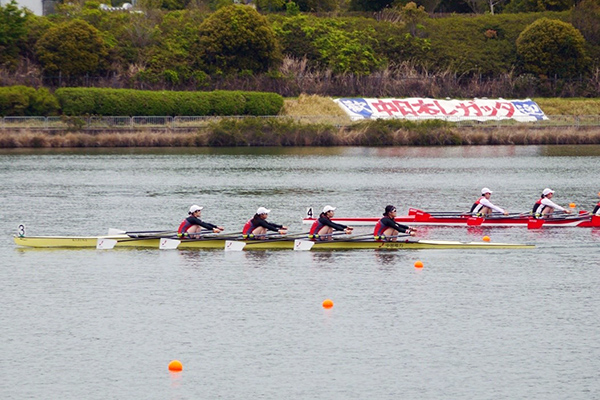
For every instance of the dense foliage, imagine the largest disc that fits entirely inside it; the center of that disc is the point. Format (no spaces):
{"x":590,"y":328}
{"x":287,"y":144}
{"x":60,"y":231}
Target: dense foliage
{"x":550,"y":47}
{"x":235,"y":39}
{"x":27,"y":101}
{"x":12,"y":33}
{"x":72,"y":48}
{"x":395,"y":46}
{"x":95,"y":101}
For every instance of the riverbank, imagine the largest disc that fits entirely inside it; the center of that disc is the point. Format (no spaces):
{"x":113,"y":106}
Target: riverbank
{"x":308,"y":121}
{"x":236,"y":133}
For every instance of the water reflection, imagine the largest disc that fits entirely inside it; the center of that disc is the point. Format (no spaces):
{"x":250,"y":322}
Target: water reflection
{"x":388,"y":259}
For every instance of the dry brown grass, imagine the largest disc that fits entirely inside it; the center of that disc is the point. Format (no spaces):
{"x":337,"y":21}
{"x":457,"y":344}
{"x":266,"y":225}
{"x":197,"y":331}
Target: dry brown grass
{"x":574,"y":106}
{"x":312,"y":105}
{"x":293,"y":134}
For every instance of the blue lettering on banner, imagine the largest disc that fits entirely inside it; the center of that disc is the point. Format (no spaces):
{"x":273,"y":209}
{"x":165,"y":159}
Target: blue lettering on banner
{"x":358,"y":106}
{"x":530,"y":108}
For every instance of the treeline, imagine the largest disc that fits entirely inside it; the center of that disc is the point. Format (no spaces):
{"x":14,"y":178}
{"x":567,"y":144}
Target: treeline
{"x":393,"y":51}
{"x":26,"y":101}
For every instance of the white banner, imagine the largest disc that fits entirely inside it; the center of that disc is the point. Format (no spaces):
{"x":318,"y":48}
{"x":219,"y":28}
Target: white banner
{"x":449,"y":110}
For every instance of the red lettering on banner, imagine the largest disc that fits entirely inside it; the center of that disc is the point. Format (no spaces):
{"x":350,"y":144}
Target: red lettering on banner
{"x":385,"y":106}
{"x":442,"y":110}
{"x":505,"y":105}
{"x":404,"y":108}
{"x":425,"y":108}
{"x":467,"y":106}
{"x":492,"y":111}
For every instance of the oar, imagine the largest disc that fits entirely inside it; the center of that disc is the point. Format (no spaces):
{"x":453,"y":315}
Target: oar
{"x":236,"y":245}
{"x":358,"y":236}
{"x":113,"y":232}
{"x":303,"y":245}
{"x":105,"y":244}
{"x":442,"y":213}
{"x":172,"y":244}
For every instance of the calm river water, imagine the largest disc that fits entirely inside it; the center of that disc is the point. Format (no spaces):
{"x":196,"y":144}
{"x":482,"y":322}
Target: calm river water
{"x":472,"y":324}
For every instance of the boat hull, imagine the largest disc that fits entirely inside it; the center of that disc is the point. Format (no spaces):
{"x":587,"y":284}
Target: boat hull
{"x":587,"y":221}
{"x":276,"y":244}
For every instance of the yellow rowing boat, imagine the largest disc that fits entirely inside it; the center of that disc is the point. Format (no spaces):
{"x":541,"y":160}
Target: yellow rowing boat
{"x":270,"y":244}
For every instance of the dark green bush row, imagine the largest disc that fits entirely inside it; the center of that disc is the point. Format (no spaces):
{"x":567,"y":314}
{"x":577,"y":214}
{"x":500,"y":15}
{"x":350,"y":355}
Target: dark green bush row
{"x":95,"y":101}
{"x":26,"y":101}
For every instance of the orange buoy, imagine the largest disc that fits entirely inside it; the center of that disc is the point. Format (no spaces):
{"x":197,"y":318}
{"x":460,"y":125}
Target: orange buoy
{"x":486,"y":238}
{"x":572,"y":205}
{"x":327,"y":303}
{"x":175,"y":366}
{"x":418,"y":264}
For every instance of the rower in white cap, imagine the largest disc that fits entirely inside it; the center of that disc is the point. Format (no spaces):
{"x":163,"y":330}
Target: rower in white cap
{"x":323,"y":227}
{"x":483,"y":206}
{"x":257,"y":227}
{"x":192,"y":225}
{"x":545,"y":206}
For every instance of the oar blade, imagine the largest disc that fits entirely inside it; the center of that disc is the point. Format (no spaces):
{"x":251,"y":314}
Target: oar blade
{"x":234,"y":245}
{"x":595,"y":220}
{"x":535,"y":223}
{"x":168,"y":244}
{"x":105,"y":244}
{"x":421,"y":216}
{"x":474,"y":221}
{"x":303,"y":245}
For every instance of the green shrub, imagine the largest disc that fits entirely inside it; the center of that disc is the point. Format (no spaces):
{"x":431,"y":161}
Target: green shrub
{"x":481,"y":45}
{"x":550,"y":47}
{"x":237,"y":38}
{"x":26,"y":101}
{"x":96,"y":101}
{"x":73,"y":48}
{"x":258,"y":103}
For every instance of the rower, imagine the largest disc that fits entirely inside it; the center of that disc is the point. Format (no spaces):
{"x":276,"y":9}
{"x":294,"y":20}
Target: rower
{"x":323,"y":227}
{"x":597,"y":208}
{"x":192,"y":225}
{"x":387,"y":229}
{"x":257,"y":226}
{"x":545,"y":206}
{"x":483,"y":207}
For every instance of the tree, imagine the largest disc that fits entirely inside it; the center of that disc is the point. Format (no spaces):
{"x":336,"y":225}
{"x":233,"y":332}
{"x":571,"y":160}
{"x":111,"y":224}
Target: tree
{"x":73,"y":48}
{"x":481,"y":6}
{"x":12,"y":32}
{"x":521,"y":6}
{"x":317,"y":5}
{"x":550,"y":47}
{"x":270,"y":5}
{"x":237,"y":38}
{"x":413,"y":17}
{"x":586,"y":18}
{"x":370,"y":5}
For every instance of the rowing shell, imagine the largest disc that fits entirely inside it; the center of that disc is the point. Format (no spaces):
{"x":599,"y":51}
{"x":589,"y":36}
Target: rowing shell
{"x":423,"y":218}
{"x":274,"y":244}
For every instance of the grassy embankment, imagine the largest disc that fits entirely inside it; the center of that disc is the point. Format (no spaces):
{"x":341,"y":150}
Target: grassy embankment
{"x":295,"y":131}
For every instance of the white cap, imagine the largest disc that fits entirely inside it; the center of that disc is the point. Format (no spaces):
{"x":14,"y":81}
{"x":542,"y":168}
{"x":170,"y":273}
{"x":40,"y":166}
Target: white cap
{"x":262,"y":210}
{"x":486,"y":190}
{"x":195,"y":208}
{"x":547,"y":191}
{"x":328,"y":208}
